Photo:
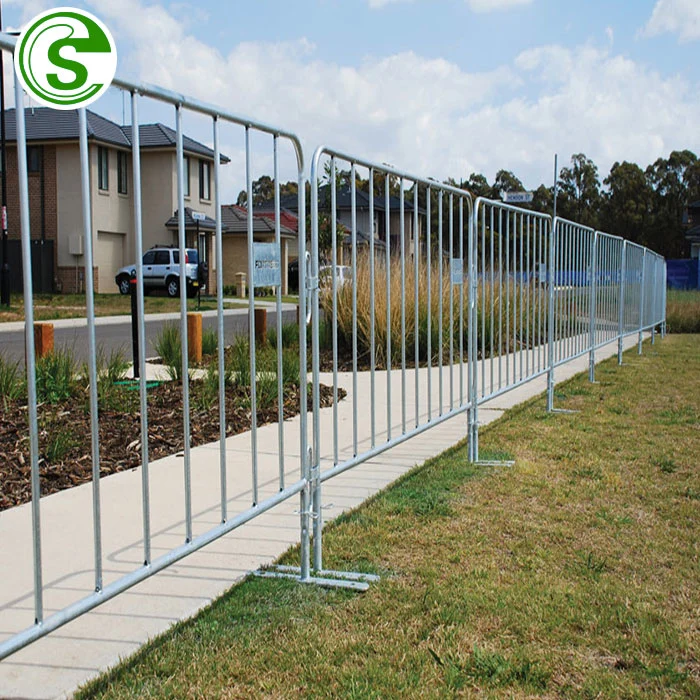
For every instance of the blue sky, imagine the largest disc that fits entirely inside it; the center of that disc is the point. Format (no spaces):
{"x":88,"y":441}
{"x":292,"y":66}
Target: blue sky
{"x":437,"y":87}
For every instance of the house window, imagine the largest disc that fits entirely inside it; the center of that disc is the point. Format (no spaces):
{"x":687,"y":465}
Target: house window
{"x":204,"y":180}
{"x":33,"y":159}
{"x":102,"y":168}
{"x":186,"y":175}
{"x":122,"y":173}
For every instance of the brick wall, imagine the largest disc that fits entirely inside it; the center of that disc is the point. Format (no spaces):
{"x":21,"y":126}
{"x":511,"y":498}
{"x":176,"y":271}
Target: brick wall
{"x":71,"y":280}
{"x":42,"y":211}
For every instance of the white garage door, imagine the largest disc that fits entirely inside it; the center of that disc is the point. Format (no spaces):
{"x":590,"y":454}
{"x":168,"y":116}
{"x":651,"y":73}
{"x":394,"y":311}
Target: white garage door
{"x":109,"y":257}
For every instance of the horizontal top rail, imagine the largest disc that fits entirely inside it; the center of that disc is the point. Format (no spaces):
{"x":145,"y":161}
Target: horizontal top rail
{"x":8,"y":42}
{"x":510,"y":207}
{"x":581,"y":227}
{"x":385,"y":168}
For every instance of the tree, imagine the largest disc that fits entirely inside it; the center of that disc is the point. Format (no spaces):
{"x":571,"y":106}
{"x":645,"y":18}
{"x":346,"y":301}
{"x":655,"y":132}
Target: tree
{"x":669,"y":178}
{"x":478,"y":185}
{"x":580,"y":191}
{"x":264,"y":191}
{"x":626,"y":209}
{"x":505,"y":181}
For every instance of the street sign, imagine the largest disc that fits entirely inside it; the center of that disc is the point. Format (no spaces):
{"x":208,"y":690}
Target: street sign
{"x":517,"y":197}
{"x":198,"y":216}
{"x":266,"y":265}
{"x":457,"y":270}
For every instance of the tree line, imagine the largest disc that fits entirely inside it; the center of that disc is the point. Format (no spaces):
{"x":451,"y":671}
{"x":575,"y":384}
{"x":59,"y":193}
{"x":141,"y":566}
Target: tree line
{"x":644,"y":206}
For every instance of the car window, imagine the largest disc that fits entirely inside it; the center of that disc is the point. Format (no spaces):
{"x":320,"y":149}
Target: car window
{"x":149,"y":257}
{"x":192,"y":257}
{"x":162,"y":257}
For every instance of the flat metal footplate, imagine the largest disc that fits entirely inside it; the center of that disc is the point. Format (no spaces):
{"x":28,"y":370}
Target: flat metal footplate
{"x":348,"y":580}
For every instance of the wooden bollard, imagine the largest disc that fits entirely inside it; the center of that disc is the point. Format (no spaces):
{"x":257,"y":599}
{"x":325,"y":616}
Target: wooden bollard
{"x":43,"y":339}
{"x":194,"y":337}
{"x":260,"y":326}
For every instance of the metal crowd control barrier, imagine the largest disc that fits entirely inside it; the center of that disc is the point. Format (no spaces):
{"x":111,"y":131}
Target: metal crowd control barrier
{"x":406,"y":278}
{"x":540,"y":293}
{"x":260,"y":503}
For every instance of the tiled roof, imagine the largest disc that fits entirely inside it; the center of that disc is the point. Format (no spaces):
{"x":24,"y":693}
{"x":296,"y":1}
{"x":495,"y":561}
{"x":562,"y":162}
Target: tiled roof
{"x":234,"y":219}
{"x":207,"y":224}
{"x":46,"y":124}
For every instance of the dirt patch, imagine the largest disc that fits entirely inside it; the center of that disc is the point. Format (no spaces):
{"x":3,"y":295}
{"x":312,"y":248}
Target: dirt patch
{"x":64,"y":432}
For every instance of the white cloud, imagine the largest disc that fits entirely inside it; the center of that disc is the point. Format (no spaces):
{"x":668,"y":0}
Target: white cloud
{"x":677,"y":16}
{"x":481,"y":6}
{"x":378,"y":4}
{"x":428,"y":116}
{"x":495,"y":5}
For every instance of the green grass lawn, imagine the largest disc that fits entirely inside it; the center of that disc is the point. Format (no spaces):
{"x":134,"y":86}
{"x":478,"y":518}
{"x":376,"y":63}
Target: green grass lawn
{"x":48,"y":307}
{"x":683,"y":311}
{"x":574,"y":574}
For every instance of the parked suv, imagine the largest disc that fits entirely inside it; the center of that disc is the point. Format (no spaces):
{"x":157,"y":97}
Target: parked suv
{"x":161,"y":270}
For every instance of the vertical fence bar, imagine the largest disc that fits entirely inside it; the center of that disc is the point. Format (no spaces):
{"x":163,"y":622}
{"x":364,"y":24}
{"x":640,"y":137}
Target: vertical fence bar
{"x":315,"y":466}
{"x":138,"y":240}
{"x":507,"y":349}
{"x":387,"y":225}
{"x":473,"y":417}
{"x":621,"y":310}
{"x":482,"y":255}
{"x":355,"y":397}
{"x":305,"y":450}
{"x":416,"y":309}
{"x":278,"y":319}
{"x":461,"y":301}
{"x":334,"y":291}
{"x":372,"y":314}
{"x":642,"y":291}
{"x":440,"y":299}
{"x":219,"y":255}
{"x":183,"y":322}
{"x":29,"y":345}
{"x":550,"y":315}
{"x":429,"y":326}
{"x":402,"y":233}
{"x":452,"y":297}
{"x":251,"y":322}
{"x":492,"y":293}
{"x":593,"y":303}
{"x":92,"y":347}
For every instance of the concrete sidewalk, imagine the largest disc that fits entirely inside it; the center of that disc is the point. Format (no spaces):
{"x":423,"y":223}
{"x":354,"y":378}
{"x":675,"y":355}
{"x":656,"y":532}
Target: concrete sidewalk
{"x":56,"y":665}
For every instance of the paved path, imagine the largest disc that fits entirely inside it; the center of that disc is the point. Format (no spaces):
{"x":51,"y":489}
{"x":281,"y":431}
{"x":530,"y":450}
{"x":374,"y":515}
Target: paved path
{"x":114,"y":332}
{"x":56,"y":665}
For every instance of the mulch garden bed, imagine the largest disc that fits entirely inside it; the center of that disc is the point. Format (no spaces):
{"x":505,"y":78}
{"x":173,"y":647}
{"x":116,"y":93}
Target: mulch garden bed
{"x":64,"y":432}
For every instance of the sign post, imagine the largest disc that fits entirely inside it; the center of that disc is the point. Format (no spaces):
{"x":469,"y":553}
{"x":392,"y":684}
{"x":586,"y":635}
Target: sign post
{"x":517,"y":197}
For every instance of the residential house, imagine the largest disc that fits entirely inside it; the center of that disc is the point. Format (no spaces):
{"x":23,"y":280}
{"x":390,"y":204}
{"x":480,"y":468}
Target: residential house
{"x":56,"y":223}
{"x":234,"y":224}
{"x":366,"y":229}
{"x":692,"y":235}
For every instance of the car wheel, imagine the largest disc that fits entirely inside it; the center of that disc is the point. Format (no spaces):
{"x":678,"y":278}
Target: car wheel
{"x":172,"y":286}
{"x":124,"y":285}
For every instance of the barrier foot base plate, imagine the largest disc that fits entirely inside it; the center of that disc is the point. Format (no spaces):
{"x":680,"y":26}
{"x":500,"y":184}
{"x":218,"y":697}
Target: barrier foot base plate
{"x":348,"y":580}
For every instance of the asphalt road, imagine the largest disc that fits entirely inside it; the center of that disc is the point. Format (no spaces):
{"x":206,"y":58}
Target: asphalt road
{"x":115,"y":332}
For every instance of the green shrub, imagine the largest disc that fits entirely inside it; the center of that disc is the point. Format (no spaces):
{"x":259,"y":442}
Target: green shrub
{"x":210,"y":341}
{"x":169,"y":348}
{"x":238,"y":362}
{"x":55,"y":376}
{"x":290,"y":367}
{"x":12,"y":381}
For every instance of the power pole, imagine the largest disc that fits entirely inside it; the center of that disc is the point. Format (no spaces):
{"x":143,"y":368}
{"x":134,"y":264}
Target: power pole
{"x":5,"y":271}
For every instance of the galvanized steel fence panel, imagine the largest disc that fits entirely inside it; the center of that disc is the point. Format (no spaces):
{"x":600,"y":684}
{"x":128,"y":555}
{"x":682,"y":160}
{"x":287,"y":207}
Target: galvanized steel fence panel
{"x":296,"y":473}
{"x":483,"y":297}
